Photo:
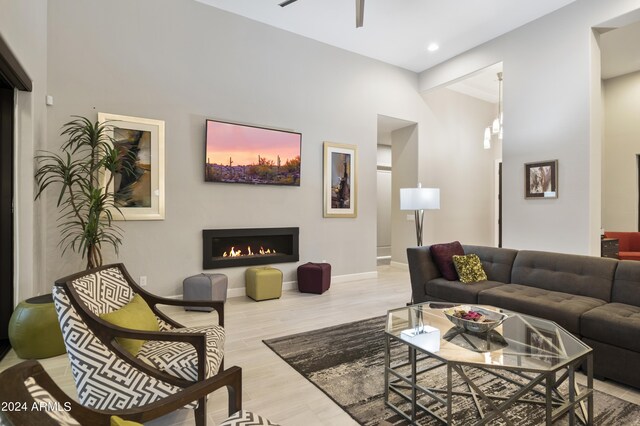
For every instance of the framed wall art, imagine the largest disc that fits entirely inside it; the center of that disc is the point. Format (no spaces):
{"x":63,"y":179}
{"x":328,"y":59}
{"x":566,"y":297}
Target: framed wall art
{"x":340,"y":189}
{"x":543,"y":345}
{"x":241,"y":153}
{"x":541,"y":179}
{"x":139,"y":191}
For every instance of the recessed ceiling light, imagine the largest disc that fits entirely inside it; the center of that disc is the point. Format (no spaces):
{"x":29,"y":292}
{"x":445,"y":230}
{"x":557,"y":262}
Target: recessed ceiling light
{"x":432,"y":47}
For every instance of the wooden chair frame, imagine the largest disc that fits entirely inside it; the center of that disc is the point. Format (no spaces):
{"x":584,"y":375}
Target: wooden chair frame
{"x":12,"y":388}
{"x":108,"y":332}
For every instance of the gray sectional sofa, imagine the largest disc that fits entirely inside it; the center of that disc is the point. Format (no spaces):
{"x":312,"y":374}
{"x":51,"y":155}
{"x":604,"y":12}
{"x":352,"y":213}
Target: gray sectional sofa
{"x":596,"y":299}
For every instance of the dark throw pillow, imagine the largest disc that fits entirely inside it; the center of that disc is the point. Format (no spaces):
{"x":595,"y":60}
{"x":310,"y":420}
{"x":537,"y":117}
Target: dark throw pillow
{"x":442,"y":255}
{"x":469,"y":268}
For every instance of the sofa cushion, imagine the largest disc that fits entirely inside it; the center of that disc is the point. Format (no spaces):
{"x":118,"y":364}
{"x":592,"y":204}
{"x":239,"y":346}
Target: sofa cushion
{"x":617,"y":324}
{"x":442,"y":255}
{"x":180,"y":359}
{"x":579,"y":275}
{"x":626,"y":285}
{"x":496,"y":262}
{"x":469,"y":268}
{"x":455,"y":291}
{"x":563,"y":308}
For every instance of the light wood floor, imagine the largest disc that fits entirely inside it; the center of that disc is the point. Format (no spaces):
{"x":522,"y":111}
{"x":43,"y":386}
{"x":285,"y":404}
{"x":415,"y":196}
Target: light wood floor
{"x":270,"y":386}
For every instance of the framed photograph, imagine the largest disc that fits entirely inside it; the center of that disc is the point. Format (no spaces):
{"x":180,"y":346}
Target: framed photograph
{"x":543,"y":345}
{"x":340,"y":189}
{"x":139,"y":193}
{"x":541,"y":179}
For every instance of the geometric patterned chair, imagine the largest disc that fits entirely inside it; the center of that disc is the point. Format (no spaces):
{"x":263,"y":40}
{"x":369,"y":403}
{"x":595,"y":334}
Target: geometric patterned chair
{"x":108,"y":377}
{"x":27,"y":383}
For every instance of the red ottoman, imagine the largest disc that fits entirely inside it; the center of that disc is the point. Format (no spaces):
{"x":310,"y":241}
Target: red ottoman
{"x":314,"y":277}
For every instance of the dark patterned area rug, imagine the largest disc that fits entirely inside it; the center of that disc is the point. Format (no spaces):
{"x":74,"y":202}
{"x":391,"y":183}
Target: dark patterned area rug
{"x":347,"y":363}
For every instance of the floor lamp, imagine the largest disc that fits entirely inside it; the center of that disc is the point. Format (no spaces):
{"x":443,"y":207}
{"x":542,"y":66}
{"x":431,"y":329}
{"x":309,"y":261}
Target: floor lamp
{"x":419,"y":199}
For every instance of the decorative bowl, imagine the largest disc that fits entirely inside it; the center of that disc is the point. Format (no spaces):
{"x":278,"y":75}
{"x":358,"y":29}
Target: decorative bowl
{"x":484,"y":320}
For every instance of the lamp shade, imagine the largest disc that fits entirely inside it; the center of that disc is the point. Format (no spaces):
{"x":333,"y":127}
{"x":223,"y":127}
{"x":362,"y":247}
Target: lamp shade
{"x":419,"y":198}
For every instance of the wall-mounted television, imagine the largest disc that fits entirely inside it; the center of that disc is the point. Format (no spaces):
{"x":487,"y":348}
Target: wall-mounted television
{"x":240,"y":153}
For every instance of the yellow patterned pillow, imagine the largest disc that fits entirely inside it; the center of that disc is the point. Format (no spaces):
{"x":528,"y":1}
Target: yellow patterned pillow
{"x":469,"y":268}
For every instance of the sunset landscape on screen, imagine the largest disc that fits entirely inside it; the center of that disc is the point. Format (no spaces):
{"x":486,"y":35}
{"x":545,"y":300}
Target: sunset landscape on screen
{"x":244,"y":154}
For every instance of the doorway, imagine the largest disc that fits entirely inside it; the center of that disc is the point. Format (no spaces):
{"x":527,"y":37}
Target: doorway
{"x":383,"y":249}
{"x":6,"y":213}
{"x":12,"y":77}
{"x":500,"y":203}
{"x":396,"y":150}
{"x":638,"y":213}
{"x":467,"y":141}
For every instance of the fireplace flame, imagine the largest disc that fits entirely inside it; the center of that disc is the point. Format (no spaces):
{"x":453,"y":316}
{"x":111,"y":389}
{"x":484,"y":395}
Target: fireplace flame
{"x":237,"y":253}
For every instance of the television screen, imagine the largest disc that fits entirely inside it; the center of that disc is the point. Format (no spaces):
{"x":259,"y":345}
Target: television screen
{"x":238,"y":153}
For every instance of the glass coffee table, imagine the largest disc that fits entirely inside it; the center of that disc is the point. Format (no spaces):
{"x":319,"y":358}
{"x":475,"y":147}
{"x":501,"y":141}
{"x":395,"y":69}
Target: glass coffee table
{"x":431,"y":365}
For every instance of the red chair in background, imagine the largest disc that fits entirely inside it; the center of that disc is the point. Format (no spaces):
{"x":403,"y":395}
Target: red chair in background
{"x":629,"y":243}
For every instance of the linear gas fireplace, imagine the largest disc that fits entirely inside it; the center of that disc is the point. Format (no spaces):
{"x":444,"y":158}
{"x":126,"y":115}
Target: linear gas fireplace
{"x":224,"y":248}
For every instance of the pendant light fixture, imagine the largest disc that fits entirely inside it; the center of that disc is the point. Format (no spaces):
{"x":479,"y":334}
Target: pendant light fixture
{"x":496,"y":126}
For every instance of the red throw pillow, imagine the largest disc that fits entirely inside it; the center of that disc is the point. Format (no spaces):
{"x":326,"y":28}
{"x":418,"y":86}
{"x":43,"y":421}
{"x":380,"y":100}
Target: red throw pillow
{"x":442,"y":255}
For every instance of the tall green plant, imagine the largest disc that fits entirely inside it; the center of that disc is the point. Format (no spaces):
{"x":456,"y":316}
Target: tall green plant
{"x":85,"y":200}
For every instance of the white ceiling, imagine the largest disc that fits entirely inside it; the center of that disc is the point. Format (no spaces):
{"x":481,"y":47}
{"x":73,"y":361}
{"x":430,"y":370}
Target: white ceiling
{"x":482,"y":84}
{"x":397,"y":31}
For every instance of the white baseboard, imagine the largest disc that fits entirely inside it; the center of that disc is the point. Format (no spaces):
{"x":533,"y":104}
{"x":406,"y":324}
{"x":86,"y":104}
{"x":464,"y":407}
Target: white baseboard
{"x":293,"y":285}
{"x":354,"y":277}
{"x":399,"y":265}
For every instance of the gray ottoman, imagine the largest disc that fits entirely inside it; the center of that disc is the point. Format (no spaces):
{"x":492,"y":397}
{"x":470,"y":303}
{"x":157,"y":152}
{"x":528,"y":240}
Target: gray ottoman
{"x":204,"y":287}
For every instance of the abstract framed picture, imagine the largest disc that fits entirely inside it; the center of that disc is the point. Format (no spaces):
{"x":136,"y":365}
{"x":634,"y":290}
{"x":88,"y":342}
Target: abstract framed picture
{"x":541,"y":179}
{"x":139,"y":190}
{"x":340,"y":189}
{"x":543,"y":345}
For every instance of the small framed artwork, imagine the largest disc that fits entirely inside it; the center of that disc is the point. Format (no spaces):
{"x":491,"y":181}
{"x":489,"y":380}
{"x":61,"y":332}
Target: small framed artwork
{"x":340,"y":189}
{"x":543,"y":345}
{"x":139,"y":191}
{"x":541,"y":179}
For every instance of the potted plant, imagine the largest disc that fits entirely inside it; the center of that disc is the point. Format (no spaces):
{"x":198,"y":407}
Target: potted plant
{"x":83,"y":174}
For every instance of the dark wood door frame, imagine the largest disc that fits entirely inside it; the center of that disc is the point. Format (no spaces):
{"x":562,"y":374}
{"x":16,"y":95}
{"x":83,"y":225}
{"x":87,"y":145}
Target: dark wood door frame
{"x":6,"y":209}
{"x":12,"y":77}
{"x":11,"y":71}
{"x":638,"y":211}
{"x":500,"y":204}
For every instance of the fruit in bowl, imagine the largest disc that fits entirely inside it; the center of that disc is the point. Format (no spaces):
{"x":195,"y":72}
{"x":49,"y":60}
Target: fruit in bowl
{"x":470,"y":315}
{"x":474,"y":318}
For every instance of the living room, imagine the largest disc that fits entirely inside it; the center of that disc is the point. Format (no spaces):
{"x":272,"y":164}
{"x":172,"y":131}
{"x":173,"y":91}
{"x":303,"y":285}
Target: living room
{"x":186,"y":62}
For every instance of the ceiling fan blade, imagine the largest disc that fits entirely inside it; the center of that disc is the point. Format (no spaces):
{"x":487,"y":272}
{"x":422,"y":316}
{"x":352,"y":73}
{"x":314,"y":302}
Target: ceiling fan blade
{"x":287,"y":3}
{"x":359,"y":13}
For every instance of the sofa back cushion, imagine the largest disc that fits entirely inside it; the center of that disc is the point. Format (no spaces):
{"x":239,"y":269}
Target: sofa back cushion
{"x":422,"y":269}
{"x":568,"y":273}
{"x":626,"y":285}
{"x":496,"y":262}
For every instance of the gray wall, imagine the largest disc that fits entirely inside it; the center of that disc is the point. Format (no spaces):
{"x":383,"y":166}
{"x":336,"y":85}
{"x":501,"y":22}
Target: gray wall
{"x":23,"y":25}
{"x":551,"y":111}
{"x":183,"y":62}
{"x":621,"y":147}
{"x":460,"y":166}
